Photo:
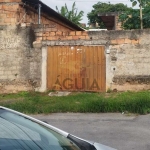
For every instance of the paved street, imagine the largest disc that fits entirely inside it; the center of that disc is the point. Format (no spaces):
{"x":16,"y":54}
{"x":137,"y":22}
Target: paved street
{"x":116,"y":130}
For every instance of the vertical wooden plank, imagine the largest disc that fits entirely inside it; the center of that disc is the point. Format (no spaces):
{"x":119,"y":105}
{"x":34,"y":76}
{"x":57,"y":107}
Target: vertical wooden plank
{"x":87,"y":86}
{"x":104,"y":69}
{"x":59,"y":64}
{"x":100,"y":77}
{"x":91,"y":66}
{"x":84,"y":68}
{"x":95,"y":79}
{"x":49,"y":65}
{"x":74,"y":67}
{"x":78,"y":65}
{"x":67,"y":67}
{"x":80,"y":68}
{"x":55,"y":65}
{"x":63,"y":66}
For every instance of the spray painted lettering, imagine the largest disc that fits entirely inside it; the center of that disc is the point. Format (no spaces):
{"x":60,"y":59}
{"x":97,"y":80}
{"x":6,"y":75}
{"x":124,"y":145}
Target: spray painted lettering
{"x":76,"y":84}
{"x":7,"y":43}
{"x":9,"y":40}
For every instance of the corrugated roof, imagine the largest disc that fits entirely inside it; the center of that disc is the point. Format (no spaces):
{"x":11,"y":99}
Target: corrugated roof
{"x":47,"y":10}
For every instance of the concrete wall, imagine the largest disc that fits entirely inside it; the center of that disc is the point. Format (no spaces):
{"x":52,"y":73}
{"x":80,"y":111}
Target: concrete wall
{"x":127,"y":54}
{"x":23,"y":56}
{"x":20,"y":63}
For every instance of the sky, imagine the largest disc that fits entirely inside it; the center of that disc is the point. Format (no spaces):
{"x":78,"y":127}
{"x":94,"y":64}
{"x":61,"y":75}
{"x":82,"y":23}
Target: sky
{"x":84,"y":5}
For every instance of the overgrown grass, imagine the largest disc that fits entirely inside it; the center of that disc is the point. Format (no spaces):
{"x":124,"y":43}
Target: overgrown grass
{"x":35,"y":103}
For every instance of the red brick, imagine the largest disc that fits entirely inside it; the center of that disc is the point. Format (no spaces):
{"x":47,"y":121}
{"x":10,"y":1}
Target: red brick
{"x":15,"y":7}
{"x":13,"y":20}
{"x":75,"y":37}
{"x":135,"y":41}
{"x":52,"y":33}
{"x":72,"y":33}
{"x":66,"y":33}
{"x":7,"y":20}
{"x":78,"y":33}
{"x":85,"y":33}
{"x":87,"y":37}
{"x":120,"y":41}
{"x":54,"y":29}
{"x":82,"y":37}
{"x":52,"y":38}
{"x":59,"y":33}
{"x":39,"y":39}
{"x":127,"y":41}
{"x":114,"y":42}
{"x":69,"y":37}
{"x":44,"y":38}
{"x":9,"y":15}
{"x":46,"y":34}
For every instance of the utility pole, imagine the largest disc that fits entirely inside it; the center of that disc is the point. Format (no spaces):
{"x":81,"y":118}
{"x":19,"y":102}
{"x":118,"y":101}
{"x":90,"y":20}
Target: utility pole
{"x":141,"y":14}
{"x":39,"y":13}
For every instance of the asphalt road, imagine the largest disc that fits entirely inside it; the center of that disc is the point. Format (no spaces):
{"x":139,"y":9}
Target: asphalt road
{"x":115,"y":130}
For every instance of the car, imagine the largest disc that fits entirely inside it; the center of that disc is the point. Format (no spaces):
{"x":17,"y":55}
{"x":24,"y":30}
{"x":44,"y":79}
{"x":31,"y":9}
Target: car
{"x":22,"y":132}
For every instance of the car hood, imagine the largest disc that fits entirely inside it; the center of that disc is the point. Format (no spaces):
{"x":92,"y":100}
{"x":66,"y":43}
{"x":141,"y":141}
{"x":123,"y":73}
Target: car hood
{"x":75,"y":139}
{"x":99,"y":146}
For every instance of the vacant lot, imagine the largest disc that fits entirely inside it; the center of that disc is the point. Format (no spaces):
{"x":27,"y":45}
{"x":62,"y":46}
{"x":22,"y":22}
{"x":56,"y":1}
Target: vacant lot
{"x":37,"y":103}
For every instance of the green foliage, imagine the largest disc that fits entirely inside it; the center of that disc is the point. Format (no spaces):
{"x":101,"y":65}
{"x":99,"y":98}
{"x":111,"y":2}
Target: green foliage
{"x":72,"y":15}
{"x":131,"y":19}
{"x":142,"y":3}
{"x":37,"y":103}
{"x":104,"y":8}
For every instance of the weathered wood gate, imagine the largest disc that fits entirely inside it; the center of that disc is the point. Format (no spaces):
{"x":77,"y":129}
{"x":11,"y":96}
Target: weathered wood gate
{"x":76,"y":68}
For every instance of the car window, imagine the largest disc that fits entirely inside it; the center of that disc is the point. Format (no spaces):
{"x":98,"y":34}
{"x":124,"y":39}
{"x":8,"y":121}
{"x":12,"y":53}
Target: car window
{"x":20,"y":133}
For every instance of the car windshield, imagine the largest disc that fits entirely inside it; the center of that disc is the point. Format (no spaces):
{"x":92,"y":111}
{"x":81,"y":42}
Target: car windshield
{"x":20,"y":133}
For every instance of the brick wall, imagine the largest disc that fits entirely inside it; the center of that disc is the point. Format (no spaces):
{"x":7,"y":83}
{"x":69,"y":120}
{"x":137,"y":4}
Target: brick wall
{"x":47,"y":34}
{"x":127,"y":54}
{"x":14,"y":12}
{"x":117,"y":23}
{"x":8,"y":13}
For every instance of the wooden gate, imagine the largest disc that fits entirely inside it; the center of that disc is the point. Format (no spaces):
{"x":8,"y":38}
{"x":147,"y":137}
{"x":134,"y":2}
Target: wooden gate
{"x":76,"y":68}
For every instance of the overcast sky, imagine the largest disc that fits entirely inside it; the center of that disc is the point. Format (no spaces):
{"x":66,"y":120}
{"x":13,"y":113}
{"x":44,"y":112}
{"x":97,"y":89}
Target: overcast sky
{"x":85,"y":5}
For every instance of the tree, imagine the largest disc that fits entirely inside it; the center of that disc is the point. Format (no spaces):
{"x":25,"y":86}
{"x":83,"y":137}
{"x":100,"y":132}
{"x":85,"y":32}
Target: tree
{"x":142,"y":3}
{"x":102,"y":8}
{"x":131,"y":19}
{"x":72,"y":14}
